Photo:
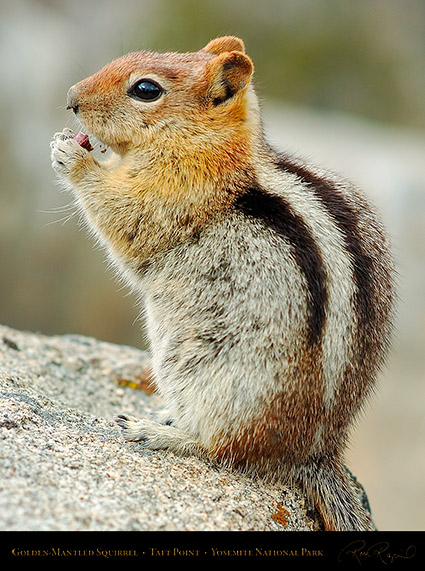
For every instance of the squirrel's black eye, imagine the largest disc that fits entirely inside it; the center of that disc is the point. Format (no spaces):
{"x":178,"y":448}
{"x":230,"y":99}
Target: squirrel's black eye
{"x":146,"y":90}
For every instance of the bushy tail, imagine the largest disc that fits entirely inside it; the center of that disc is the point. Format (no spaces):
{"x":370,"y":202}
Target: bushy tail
{"x":336,"y":496}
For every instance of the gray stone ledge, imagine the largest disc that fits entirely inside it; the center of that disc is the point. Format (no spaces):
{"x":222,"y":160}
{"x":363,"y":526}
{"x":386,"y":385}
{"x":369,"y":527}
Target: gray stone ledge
{"x":65,"y":467}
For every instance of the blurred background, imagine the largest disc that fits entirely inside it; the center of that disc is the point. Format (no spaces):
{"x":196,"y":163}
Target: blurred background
{"x":342,"y":84}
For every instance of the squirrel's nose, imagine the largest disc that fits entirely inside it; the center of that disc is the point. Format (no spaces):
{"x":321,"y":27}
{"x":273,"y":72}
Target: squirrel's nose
{"x":72,"y":99}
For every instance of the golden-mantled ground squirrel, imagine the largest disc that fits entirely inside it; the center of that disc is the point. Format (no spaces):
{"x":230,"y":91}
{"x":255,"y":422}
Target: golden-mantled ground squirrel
{"x":267,"y":286}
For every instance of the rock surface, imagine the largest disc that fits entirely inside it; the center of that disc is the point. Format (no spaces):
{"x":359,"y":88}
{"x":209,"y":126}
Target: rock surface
{"x":65,"y":467}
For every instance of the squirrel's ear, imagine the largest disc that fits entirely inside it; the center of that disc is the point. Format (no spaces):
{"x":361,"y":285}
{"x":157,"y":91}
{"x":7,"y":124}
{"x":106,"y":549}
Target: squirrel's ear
{"x":227,"y":74}
{"x":225,"y":44}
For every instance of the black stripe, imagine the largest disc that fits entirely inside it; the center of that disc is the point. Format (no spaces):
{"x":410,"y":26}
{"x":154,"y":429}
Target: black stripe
{"x":275,"y":213}
{"x":347,"y":221}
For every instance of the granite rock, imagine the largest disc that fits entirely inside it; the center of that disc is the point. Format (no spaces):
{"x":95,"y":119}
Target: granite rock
{"x":64,"y":465}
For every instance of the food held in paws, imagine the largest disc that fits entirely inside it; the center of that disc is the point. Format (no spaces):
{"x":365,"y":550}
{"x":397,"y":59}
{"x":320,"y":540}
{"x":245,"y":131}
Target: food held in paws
{"x":83,"y":140}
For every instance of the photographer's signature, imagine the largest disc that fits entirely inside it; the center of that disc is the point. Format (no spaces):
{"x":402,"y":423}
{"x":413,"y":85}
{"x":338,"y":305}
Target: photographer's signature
{"x":381,"y":551}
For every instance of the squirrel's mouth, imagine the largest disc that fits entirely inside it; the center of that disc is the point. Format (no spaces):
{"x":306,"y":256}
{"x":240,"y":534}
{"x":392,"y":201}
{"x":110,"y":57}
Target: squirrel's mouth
{"x":90,"y":142}
{"x":99,"y":142}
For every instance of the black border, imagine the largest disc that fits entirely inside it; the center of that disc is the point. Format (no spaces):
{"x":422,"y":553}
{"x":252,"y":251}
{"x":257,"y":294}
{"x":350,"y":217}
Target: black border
{"x":345,"y":550}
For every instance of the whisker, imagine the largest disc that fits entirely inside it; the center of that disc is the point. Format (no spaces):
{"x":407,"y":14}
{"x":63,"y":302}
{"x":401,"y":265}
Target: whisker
{"x":64,"y":220}
{"x":58,"y":209}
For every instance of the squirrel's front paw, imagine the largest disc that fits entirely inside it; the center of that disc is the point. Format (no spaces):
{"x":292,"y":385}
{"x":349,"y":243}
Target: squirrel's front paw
{"x":68,"y":156}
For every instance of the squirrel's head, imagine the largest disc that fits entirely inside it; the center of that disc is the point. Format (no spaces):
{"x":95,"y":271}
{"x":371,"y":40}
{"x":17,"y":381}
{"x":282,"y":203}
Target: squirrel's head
{"x":168,"y":98}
